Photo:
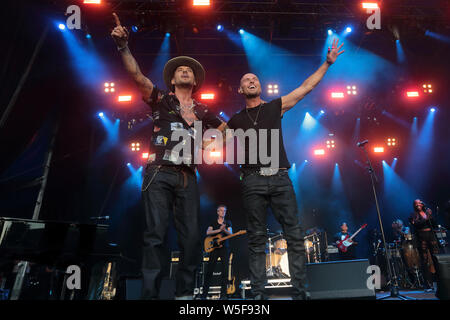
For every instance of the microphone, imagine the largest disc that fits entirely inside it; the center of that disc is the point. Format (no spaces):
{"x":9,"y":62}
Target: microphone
{"x":100,"y":218}
{"x":362,"y":143}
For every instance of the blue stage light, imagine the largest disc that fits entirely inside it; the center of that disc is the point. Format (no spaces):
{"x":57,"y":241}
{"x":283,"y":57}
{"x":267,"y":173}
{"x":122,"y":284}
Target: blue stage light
{"x":330,"y":32}
{"x":322,"y":112}
{"x":433,"y":109}
{"x":100,"y":114}
{"x":134,"y":28}
{"x":241,"y":31}
{"x":88,"y":36}
{"x":348,"y":29}
{"x":167,"y":34}
{"x":219,"y":27}
{"x":61,"y":26}
{"x":128,"y":164}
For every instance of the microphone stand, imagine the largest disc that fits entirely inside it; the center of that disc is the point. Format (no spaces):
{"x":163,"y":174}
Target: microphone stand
{"x":392,"y":278}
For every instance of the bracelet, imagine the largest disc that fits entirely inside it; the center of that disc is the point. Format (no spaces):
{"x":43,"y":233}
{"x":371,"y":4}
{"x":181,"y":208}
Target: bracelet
{"x":124,"y":47}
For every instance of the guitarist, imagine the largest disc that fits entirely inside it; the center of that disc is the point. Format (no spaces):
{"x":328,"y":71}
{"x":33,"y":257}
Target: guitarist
{"x":223,"y":227}
{"x":342,"y":235}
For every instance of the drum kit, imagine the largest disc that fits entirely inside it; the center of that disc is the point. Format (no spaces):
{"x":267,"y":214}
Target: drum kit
{"x":277,"y":261}
{"x":405,"y":262}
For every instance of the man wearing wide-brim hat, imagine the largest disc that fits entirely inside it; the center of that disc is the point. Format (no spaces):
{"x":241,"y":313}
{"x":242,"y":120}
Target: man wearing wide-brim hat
{"x":169,"y":183}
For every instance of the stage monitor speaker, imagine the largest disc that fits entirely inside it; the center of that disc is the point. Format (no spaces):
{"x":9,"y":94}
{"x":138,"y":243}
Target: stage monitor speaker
{"x":443,"y":283}
{"x":339,"y":280}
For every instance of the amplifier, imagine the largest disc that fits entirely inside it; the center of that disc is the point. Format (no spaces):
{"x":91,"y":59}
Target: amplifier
{"x":443,"y":284}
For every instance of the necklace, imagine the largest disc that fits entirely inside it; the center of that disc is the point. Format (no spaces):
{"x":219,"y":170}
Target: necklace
{"x":187,"y":108}
{"x":255,"y":122}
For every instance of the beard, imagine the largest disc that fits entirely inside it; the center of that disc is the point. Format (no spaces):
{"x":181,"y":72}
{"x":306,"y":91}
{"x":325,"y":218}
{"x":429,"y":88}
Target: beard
{"x":251,"y":95}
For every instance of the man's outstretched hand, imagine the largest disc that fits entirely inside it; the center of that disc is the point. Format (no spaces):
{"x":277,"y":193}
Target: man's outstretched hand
{"x":119,"y":33}
{"x":333,"y":52}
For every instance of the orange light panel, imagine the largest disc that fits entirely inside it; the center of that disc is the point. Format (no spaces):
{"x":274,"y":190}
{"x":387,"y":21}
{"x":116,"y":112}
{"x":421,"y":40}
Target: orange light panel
{"x":412,"y":93}
{"x":378,"y":149}
{"x":337,"y":95}
{"x":207,"y":96}
{"x":201,"y":2}
{"x":319,"y":152}
{"x":369,"y":5}
{"x":124,"y":98}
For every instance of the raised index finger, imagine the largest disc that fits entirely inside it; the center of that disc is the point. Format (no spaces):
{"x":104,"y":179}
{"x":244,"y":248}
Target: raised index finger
{"x":116,"y":19}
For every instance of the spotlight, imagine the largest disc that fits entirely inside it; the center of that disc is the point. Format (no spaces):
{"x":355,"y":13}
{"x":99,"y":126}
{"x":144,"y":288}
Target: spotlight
{"x":272,"y":89}
{"x":100,"y":114}
{"x":92,"y":1}
{"x":61,"y":26}
{"x":221,"y":113}
{"x":378,"y":149}
{"x":322,"y":112}
{"x":433,"y":109}
{"x":145,"y":155}
{"x":348,"y":29}
{"x":391,"y":142}
{"x":427,"y":88}
{"x":88,"y":36}
{"x":351,"y":90}
{"x":135,"y":146}
{"x":167,"y":34}
{"x":241,"y":31}
{"x":128,"y":164}
{"x":330,"y":32}
{"x":219,"y":27}
{"x":331,"y":144}
{"x":134,"y":28}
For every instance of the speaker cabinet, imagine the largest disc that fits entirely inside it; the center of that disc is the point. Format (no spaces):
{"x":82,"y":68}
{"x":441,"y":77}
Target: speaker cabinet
{"x":339,"y":280}
{"x":443,"y":284}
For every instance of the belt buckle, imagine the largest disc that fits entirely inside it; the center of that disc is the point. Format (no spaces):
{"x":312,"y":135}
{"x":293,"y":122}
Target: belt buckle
{"x":268,"y":171}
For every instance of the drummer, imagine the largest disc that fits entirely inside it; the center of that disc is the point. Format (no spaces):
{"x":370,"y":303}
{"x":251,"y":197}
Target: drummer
{"x":400,"y":232}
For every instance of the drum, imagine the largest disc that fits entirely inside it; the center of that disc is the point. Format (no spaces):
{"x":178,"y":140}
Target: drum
{"x":411,"y":255}
{"x":280,"y":246}
{"x":284,"y":265}
{"x":276,"y":257}
{"x":308,"y":245}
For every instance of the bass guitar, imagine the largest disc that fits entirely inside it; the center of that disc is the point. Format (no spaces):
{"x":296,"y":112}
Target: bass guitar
{"x":214,"y":242}
{"x":347,"y":241}
{"x":231,"y":288}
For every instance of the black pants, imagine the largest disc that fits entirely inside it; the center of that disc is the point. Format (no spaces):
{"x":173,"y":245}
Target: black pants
{"x":260,"y":192}
{"x":426,"y":241}
{"x":165,"y":191}
{"x":213,"y":257}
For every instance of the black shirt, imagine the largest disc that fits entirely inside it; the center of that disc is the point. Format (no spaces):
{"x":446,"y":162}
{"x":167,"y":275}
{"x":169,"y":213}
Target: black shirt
{"x":269,"y":118}
{"x":419,"y":223}
{"x":166,"y":119}
{"x":216,"y":226}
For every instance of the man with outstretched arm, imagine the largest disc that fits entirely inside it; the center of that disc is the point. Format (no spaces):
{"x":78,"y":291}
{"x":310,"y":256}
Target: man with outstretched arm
{"x":268,"y":184}
{"x":170,"y":182}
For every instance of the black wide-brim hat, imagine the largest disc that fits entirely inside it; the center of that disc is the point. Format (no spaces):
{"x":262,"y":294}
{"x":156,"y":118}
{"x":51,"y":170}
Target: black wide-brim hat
{"x":173,"y":64}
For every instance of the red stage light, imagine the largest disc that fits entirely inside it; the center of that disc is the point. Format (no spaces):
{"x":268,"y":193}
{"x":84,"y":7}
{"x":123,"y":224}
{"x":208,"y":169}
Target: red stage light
{"x":207,"y":96}
{"x":201,"y":2}
{"x":369,"y":5}
{"x":337,"y":95}
{"x":319,"y":152}
{"x":124,"y":98}
{"x":215,"y":154}
{"x":92,"y":1}
{"x":145,"y":155}
{"x":412,"y":94}
{"x":378,"y":149}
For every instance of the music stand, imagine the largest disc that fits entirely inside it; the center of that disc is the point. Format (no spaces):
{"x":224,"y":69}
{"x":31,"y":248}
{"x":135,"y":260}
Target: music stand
{"x":393,"y":284}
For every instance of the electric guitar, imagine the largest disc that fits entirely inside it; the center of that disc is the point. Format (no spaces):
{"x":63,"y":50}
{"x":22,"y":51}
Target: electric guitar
{"x":213,"y":242}
{"x":231,"y":288}
{"x":347,"y":241}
